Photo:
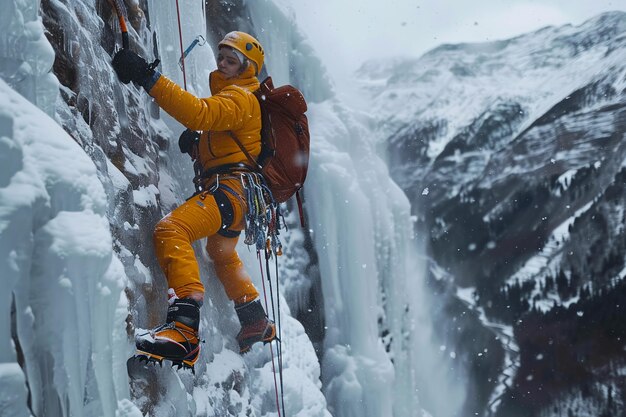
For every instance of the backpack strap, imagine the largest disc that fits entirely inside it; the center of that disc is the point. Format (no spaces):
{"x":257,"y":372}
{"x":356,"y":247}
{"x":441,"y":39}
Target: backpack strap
{"x":259,"y":168}
{"x":252,"y":161}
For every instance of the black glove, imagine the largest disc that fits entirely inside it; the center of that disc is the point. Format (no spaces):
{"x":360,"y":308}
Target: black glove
{"x":187,"y":141}
{"x":131,"y":67}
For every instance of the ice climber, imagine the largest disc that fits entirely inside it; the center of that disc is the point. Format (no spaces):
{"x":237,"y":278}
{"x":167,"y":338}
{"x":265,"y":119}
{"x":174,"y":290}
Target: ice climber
{"x":217,"y":212}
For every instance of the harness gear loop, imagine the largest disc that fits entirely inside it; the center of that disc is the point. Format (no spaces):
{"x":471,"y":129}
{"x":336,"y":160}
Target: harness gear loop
{"x":216,"y":185}
{"x":262,"y":215}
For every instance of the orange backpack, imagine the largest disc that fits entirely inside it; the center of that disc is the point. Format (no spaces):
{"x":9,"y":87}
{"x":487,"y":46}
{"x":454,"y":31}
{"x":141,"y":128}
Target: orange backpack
{"x":285,"y":140}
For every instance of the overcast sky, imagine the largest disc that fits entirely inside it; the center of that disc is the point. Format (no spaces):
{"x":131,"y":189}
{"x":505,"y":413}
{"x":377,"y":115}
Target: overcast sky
{"x":347,"y":32}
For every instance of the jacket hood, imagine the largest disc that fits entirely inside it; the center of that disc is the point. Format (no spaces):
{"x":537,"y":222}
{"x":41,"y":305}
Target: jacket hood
{"x":247,"y":80}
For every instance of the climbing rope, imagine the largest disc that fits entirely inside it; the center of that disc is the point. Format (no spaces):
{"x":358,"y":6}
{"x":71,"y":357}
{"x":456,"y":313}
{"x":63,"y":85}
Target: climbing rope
{"x":199,"y":40}
{"x":279,"y":346}
{"x":180,"y":37}
{"x":263,"y":224}
{"x":258,"y":253}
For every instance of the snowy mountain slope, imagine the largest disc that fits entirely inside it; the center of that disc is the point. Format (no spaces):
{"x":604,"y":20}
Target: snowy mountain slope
{"x":512,"y":155}
{"x":107,"y":172}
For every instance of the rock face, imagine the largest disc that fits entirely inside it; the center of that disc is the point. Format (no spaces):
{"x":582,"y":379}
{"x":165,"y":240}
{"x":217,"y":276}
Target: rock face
{"x":513,"y":156}
{"x":129,"y":140}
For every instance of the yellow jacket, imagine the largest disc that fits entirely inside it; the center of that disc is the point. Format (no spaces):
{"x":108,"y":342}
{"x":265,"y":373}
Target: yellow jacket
{"x":231,"y":108}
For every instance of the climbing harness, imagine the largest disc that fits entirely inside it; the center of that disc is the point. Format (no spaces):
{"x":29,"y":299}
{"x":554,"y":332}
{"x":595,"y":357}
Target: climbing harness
{"x":263,"y":222}
{"x":227,"y":211}
{"x":263,"y":219}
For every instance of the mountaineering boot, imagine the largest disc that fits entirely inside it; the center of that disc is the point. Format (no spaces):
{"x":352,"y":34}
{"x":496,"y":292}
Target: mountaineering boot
{"x":255,"y":326}
{"x":177,"y":339}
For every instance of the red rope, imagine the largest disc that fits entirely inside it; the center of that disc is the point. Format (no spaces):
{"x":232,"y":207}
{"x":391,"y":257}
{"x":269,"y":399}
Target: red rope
{"x":182,"y":52}
{"x":258,"y":254}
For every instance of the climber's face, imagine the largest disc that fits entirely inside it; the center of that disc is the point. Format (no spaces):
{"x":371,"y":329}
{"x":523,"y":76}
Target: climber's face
{"x":228,"y":63}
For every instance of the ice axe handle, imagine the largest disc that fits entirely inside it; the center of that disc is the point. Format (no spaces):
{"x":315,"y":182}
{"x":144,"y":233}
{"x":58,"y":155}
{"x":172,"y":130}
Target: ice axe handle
{"x":120,"y":16}
{"x":125,"y":41}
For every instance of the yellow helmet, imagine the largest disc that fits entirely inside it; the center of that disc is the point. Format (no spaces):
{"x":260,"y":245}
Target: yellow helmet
{"x":247,"y":45}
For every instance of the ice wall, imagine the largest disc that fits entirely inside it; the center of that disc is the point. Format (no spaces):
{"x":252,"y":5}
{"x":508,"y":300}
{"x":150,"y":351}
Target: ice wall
{"x":355,"y":363}
{"x":379,"y":357}
{"x":289,"y":57}
{"x":58,"y":266}
{"x":63,"y":295}
{"x":200,"y":61}
{"x":219,"y":364}
{"x":58,"y":271}
{"x":26,"y":56}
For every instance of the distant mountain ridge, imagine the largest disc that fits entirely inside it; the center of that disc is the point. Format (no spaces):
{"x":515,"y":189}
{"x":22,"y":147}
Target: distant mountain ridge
{"x":512,"y":153}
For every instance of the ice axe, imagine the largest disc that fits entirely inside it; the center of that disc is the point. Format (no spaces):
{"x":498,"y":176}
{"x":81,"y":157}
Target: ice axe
{"x":119,"y":10}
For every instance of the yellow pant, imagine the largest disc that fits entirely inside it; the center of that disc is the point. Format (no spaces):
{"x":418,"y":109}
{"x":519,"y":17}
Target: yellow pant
{"x":197,"y":218}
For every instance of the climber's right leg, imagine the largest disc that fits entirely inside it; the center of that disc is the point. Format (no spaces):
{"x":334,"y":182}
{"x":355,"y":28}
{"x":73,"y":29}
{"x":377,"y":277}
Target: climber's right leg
{"x":177,"y":340}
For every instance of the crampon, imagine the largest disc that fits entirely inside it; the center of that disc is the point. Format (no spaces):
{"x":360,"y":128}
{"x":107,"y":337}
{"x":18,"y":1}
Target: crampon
{"x":181,"y":354}
{"x":176,"y":341}
{"x":255,"y":326}
{"x":264,"y":331}
{"x":154,"y":359}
